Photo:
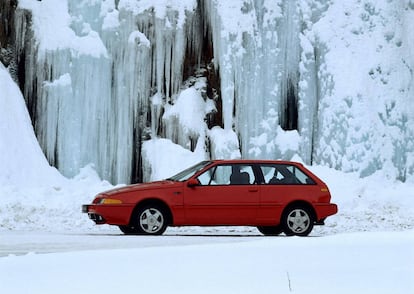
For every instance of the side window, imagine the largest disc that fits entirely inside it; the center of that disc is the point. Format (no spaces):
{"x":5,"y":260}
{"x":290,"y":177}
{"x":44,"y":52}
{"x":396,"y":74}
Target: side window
{"x":282,"y":174}
{"x":204,"y":178}
{"x":218,"y":175}
{"x":221,"y":175}
{"x":242,"y":175}
{"x":300,"y":176}
{"x":278,"y":175}
{"x":268,"y":172}
{"x":228,"y":175}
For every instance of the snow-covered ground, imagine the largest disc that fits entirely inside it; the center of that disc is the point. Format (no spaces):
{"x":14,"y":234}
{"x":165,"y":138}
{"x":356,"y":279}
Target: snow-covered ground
{"x":345,"y":263}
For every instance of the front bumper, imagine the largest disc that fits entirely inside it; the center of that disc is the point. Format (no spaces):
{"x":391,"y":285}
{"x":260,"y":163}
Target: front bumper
{"x":108,"y":214}
{"x":97,"y":218}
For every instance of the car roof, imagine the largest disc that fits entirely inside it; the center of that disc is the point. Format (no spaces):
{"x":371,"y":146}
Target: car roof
{"x":256,"y":161}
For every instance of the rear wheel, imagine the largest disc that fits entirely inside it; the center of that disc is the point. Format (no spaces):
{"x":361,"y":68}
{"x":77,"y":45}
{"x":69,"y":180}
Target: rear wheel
{"x":297,"y":220}
{"x":270,"y":230}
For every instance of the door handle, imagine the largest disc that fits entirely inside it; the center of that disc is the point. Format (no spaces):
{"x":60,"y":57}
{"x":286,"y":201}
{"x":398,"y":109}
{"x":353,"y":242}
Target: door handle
{"x":253,"y":189}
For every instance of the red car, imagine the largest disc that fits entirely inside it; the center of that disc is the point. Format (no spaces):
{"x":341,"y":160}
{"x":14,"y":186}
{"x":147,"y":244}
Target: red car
{"x":274,"y":196}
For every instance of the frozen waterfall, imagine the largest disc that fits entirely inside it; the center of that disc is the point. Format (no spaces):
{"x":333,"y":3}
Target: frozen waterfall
{"x":329,"y":81}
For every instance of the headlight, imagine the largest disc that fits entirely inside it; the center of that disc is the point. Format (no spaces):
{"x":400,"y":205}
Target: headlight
{"x":109,"y":201}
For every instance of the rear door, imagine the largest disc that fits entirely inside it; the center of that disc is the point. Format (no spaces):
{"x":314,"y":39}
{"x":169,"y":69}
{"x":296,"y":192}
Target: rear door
{"x":227,"y":194}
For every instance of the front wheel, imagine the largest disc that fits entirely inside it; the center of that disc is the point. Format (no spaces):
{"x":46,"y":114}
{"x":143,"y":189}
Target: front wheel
{"x":298,"y":221}
{"x":128,"y":230}
{"x":150,"y":220}
{"x":270,"y":230}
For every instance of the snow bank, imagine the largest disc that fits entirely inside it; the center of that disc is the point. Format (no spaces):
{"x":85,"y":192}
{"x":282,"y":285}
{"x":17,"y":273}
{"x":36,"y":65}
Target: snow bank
{"x":22,"y":161}
{"x":52,"y":206}
{"x":32,"y":193}
{"x":374,"y":203}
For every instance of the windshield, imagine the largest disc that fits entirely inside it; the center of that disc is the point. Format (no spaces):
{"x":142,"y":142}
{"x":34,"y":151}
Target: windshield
{"x":189,"y":172}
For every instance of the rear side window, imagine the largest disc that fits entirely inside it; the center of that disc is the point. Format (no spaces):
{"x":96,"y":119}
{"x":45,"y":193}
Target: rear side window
{"x":285,"y":174}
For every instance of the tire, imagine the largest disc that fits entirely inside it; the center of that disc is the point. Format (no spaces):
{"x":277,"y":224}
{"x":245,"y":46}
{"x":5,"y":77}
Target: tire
{"x":297,"y":221}
{"x":270,"y":230}
{"x":128,"y":230}
{"x":150,"y":219}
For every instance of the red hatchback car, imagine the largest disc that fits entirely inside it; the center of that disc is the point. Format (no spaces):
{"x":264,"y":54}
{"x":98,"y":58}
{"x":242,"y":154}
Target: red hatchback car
{"x":274,"y":196}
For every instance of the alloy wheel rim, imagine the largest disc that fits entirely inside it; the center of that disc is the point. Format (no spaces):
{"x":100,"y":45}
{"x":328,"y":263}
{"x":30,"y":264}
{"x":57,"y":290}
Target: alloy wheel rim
{"x":298,"y":221}
{"x":151,"y":220}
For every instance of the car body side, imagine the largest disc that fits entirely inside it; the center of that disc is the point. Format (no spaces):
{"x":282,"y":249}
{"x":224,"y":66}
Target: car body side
{"x":257,"y":204}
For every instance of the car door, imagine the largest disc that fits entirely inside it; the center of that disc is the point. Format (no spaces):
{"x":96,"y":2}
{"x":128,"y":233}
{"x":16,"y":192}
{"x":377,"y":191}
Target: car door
{"x":226,"y":195}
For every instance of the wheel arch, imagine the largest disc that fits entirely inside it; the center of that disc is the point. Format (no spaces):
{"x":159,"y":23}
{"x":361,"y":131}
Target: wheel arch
{"x":299,"y":203}
{"x":153,"y":201}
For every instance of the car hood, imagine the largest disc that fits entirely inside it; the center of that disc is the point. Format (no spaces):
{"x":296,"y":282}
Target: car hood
{"x":142,"y":186}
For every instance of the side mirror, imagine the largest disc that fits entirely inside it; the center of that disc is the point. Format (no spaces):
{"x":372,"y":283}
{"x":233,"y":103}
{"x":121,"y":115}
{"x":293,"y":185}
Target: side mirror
{"x":192,"y":183}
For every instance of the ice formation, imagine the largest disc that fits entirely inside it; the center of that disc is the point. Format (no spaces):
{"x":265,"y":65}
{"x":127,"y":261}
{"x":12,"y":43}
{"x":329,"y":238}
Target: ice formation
{"x":330,"y":81}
